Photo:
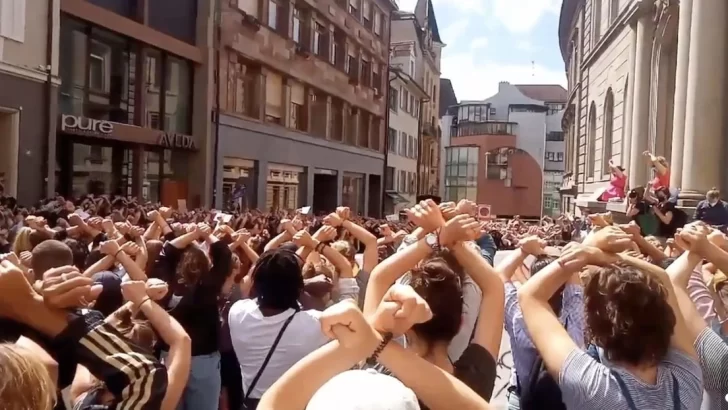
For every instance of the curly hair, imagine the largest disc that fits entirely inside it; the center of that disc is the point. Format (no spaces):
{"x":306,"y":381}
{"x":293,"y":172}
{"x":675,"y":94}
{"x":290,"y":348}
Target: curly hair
{"x":436,"y":282}
{"x":616,"y":300}
{"x":192,"y":265}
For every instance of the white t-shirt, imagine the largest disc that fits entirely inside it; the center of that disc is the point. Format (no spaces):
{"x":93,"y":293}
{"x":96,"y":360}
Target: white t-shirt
{"x":253,"y":335}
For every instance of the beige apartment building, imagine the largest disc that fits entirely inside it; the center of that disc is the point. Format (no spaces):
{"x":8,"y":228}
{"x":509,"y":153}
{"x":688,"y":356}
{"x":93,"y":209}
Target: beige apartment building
{"x":643,"y":75}
{"x":416,"y":47}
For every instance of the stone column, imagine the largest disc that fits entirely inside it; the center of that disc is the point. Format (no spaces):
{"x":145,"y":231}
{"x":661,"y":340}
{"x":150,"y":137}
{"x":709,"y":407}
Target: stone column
{"x":641,"y":103}
{"x":681,"y":91}
{"x":628,"y":105}
{"x":339,"y":186}
{"x":705,"y":107}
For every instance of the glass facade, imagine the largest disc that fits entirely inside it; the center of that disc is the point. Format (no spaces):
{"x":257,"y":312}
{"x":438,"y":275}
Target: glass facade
{"x":99,"y":72}
{"x":461,"y":173}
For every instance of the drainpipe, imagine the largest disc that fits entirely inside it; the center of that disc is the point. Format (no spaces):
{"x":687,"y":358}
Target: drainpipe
{"x":50,"y":156}
{"x":217,"y":42}
{"x":420,"y":142}
{"x":386,"y":120}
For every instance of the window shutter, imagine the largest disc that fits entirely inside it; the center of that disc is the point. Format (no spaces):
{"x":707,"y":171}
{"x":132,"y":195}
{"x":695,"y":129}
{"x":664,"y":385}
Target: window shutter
{"x":273,"y":94}
{"x":250,"y":7}
{"x":297,"y":93}
{"x":12,"y":19}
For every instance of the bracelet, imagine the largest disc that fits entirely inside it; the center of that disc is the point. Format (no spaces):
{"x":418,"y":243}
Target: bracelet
{"x":117,"y":253}
{"x":320,"y":247}
{"x":145,"y":300}
{"x":386,"y":338}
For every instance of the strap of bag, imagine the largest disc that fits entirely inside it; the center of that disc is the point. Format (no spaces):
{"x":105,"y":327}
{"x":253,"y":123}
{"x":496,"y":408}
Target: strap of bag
{"x":675,"y":393}
{"x":270,"y":354}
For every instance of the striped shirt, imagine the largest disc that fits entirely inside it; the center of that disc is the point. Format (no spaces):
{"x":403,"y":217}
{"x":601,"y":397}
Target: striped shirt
{"x":713,"y":356}
{"x":522,"y":348}
{"x":589,"y":385}
{"x":135,"y":378}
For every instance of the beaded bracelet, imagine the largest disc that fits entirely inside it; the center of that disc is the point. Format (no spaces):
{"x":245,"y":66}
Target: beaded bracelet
{"x":386,"y":338}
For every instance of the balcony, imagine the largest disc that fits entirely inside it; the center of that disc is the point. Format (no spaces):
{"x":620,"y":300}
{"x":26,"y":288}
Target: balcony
{"x":485,"y":128}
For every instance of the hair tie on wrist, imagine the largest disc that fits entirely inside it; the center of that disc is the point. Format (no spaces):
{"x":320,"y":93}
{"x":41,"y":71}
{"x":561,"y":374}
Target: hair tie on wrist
{"x":116,"y":255}
{"x":145,"y":300}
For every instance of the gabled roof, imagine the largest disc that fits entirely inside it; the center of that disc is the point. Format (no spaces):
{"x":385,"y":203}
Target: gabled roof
{"x":447,"y":96}
{"x":548,"y":93}
{"x":424,"y":9}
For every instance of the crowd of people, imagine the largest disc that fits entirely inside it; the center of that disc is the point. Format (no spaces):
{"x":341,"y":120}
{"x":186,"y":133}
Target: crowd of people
{"x":108,"y":303}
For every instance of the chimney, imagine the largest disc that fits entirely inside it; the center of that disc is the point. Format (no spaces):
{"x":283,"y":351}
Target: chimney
{"x":502,"y":85}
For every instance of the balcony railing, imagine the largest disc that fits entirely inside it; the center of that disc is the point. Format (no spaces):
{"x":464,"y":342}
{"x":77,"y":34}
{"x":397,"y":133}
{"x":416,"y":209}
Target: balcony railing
{"x":486,"y":128}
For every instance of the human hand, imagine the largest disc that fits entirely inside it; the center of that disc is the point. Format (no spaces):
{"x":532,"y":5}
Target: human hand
{"x":304,"y":239}
{"x":286,"y":225}
{"x":426,"y":215}
{"x":400,"y":309}
{"x":26,"y":259}
{"x":134,"y":291}
{"x":153,"y":215}
{"x":156,"y":289}
{"x":243,"y":236}
{"x":343,"y":212}
{"x":334,"y":219}
{"x":345,"y":323}
{"x":575,"y":256}
{"x":631,"y":229}
{"x":204,"y":230}
{"x":532,"y":245}
{"x":297,"y":224}
{"x":325,"y":234}
{"x":131,"y":249}
{"x":385,"y":230}
{"x":460,"y":228}
{"x":466,"y":207}
{"x":108,"y":225}
{"x":448,"y":210}
{"x":694,"y":237}
{"x":400,"y":235}
{"x":165,"y":212}
{"x":109,"y":248}
{"x":75,"y":220}
{"x":66,"y":287}
{"x":609,"y":239}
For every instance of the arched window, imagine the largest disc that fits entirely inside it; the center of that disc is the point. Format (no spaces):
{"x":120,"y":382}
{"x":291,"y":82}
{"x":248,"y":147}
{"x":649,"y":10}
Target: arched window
{"x":591,"y":141}
{"x":613,"y":10}
{"x":625,"y":107}
{"x":596,"y":20}
{"x":607,"y":131}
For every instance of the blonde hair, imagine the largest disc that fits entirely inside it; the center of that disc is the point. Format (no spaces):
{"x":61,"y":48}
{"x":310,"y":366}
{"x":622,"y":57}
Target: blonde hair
{"x":25,"y":383}
{"x":22,"y":241}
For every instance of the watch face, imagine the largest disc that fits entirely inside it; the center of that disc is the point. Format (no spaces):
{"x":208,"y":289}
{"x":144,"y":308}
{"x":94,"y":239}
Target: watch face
{"x":431,"y":240}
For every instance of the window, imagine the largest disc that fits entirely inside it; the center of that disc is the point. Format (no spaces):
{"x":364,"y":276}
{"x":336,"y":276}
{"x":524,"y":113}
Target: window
{"x":402,"y":145}
{"x":492,"y":111}
{"x":338,"y":57}
{"x":411,"y":108}
{"x":354,"y":8}
{"x":389,"y":178}
{"x":243,"y":81}
{"x":461,"y":173}
{"x":415,"y":154}
{"x":613,"y":10}
{"x":377,"y":23}
{"x":366,"y":72}
{"x":412,"y":69}
{"x":402,"y":186}
{"x":250,"y":7}
{"x":319,"y":110}
{"x":297,"y":26}
{"x":273,"y":9}
{"x":393,"y":98}
{"x":337,"y":120}
{"x":273,"y":98}
{"x":320,"y":40}
{"x":178,"y":93}
{"x":410,"y":146}
{"x":404,"y":97}
{"x":555,"y":136}
{"x":591,"y":141}
{"x":376,"y":77}
{"x":596,"y":21}
{"x":298,"y":116}
{"x":12,"y":19}
{"x":392,"y":143}
{"x":366,"y":13}
{"x":607,"y":132}
{"x":417,"y":108}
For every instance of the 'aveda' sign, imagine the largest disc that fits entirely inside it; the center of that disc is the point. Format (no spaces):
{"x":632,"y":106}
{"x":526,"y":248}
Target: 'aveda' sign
{"x":171,"y":140}
{"x":72,"y":123}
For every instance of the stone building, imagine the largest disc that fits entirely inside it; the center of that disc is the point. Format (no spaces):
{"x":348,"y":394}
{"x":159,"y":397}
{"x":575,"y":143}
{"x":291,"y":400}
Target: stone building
{"x":643,"y":76}
{"x":303,"y":97}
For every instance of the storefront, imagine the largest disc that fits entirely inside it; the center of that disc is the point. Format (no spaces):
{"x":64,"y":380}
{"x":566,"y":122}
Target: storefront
{"x":103,"y":157}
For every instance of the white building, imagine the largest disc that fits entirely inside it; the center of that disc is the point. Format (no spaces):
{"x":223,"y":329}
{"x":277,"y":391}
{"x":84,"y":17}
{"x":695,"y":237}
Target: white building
{"x":405,"y":105}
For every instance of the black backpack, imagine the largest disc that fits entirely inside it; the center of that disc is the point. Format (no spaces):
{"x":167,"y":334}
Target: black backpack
{"x":541,"y":391}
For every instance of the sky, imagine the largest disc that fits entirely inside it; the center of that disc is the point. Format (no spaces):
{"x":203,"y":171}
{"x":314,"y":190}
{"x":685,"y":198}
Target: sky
{"x":488,"y":41}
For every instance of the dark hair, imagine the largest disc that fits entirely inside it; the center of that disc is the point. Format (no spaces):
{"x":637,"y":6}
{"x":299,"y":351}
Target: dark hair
{"x":193,"y":265}
{"x":540,"y":262}
{"x":50,"y":254}
{"x":440,"y":286}
{"x":277,"y":279}
{"x":616,"y":298}
{"x":80,"y":253}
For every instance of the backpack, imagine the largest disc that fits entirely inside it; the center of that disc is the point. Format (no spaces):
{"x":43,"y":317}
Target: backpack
{"x":541,"y":391}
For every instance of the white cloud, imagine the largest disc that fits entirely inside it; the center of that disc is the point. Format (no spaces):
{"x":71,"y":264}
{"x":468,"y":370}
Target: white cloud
{"x":478,"y":80}
{"x":520,"y":16}
{"x":479,"y":43}
{"x":451,"y":33}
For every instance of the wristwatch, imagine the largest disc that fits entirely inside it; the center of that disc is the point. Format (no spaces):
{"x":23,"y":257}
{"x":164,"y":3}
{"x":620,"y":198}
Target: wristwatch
{"x":433,"y":242}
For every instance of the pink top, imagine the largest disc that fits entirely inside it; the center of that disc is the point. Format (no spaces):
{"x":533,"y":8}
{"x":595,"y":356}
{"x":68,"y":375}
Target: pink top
{"x":616,"y":187}
{"x":661,"y":180}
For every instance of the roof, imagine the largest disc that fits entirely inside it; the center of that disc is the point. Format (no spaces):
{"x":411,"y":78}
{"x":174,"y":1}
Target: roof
{"x":548,"y":93}
{"x":447,"y":96}
{"x":420,"y":13}
{"x":566,"y":21}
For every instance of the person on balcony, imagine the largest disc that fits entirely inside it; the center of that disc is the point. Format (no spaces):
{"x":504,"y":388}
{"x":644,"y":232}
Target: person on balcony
{"x":617,"y":184}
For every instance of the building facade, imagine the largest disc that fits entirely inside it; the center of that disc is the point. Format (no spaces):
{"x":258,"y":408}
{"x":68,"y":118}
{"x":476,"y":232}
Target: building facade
{"x":135,"y":100}
{"x":406,"y":98}
{"x":416,"y":47}
{"x":643,"y":76}
{"x":28,"y":88}
{"x":498,"y":153}
{"x":302,"y":103}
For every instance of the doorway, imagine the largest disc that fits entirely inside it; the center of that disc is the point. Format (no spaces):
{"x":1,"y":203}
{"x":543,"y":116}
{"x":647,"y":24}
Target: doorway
{"x":9,"y":138}
{"x":325,"y":193}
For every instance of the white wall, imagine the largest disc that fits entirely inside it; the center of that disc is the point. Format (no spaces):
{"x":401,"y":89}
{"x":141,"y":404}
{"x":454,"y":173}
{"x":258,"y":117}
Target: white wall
{"x":402,"y":121}
{"x":445,"y":126}
{"x":531,"y":133}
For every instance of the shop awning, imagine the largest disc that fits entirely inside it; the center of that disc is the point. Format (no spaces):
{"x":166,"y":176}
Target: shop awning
{"x":396,"y":197}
